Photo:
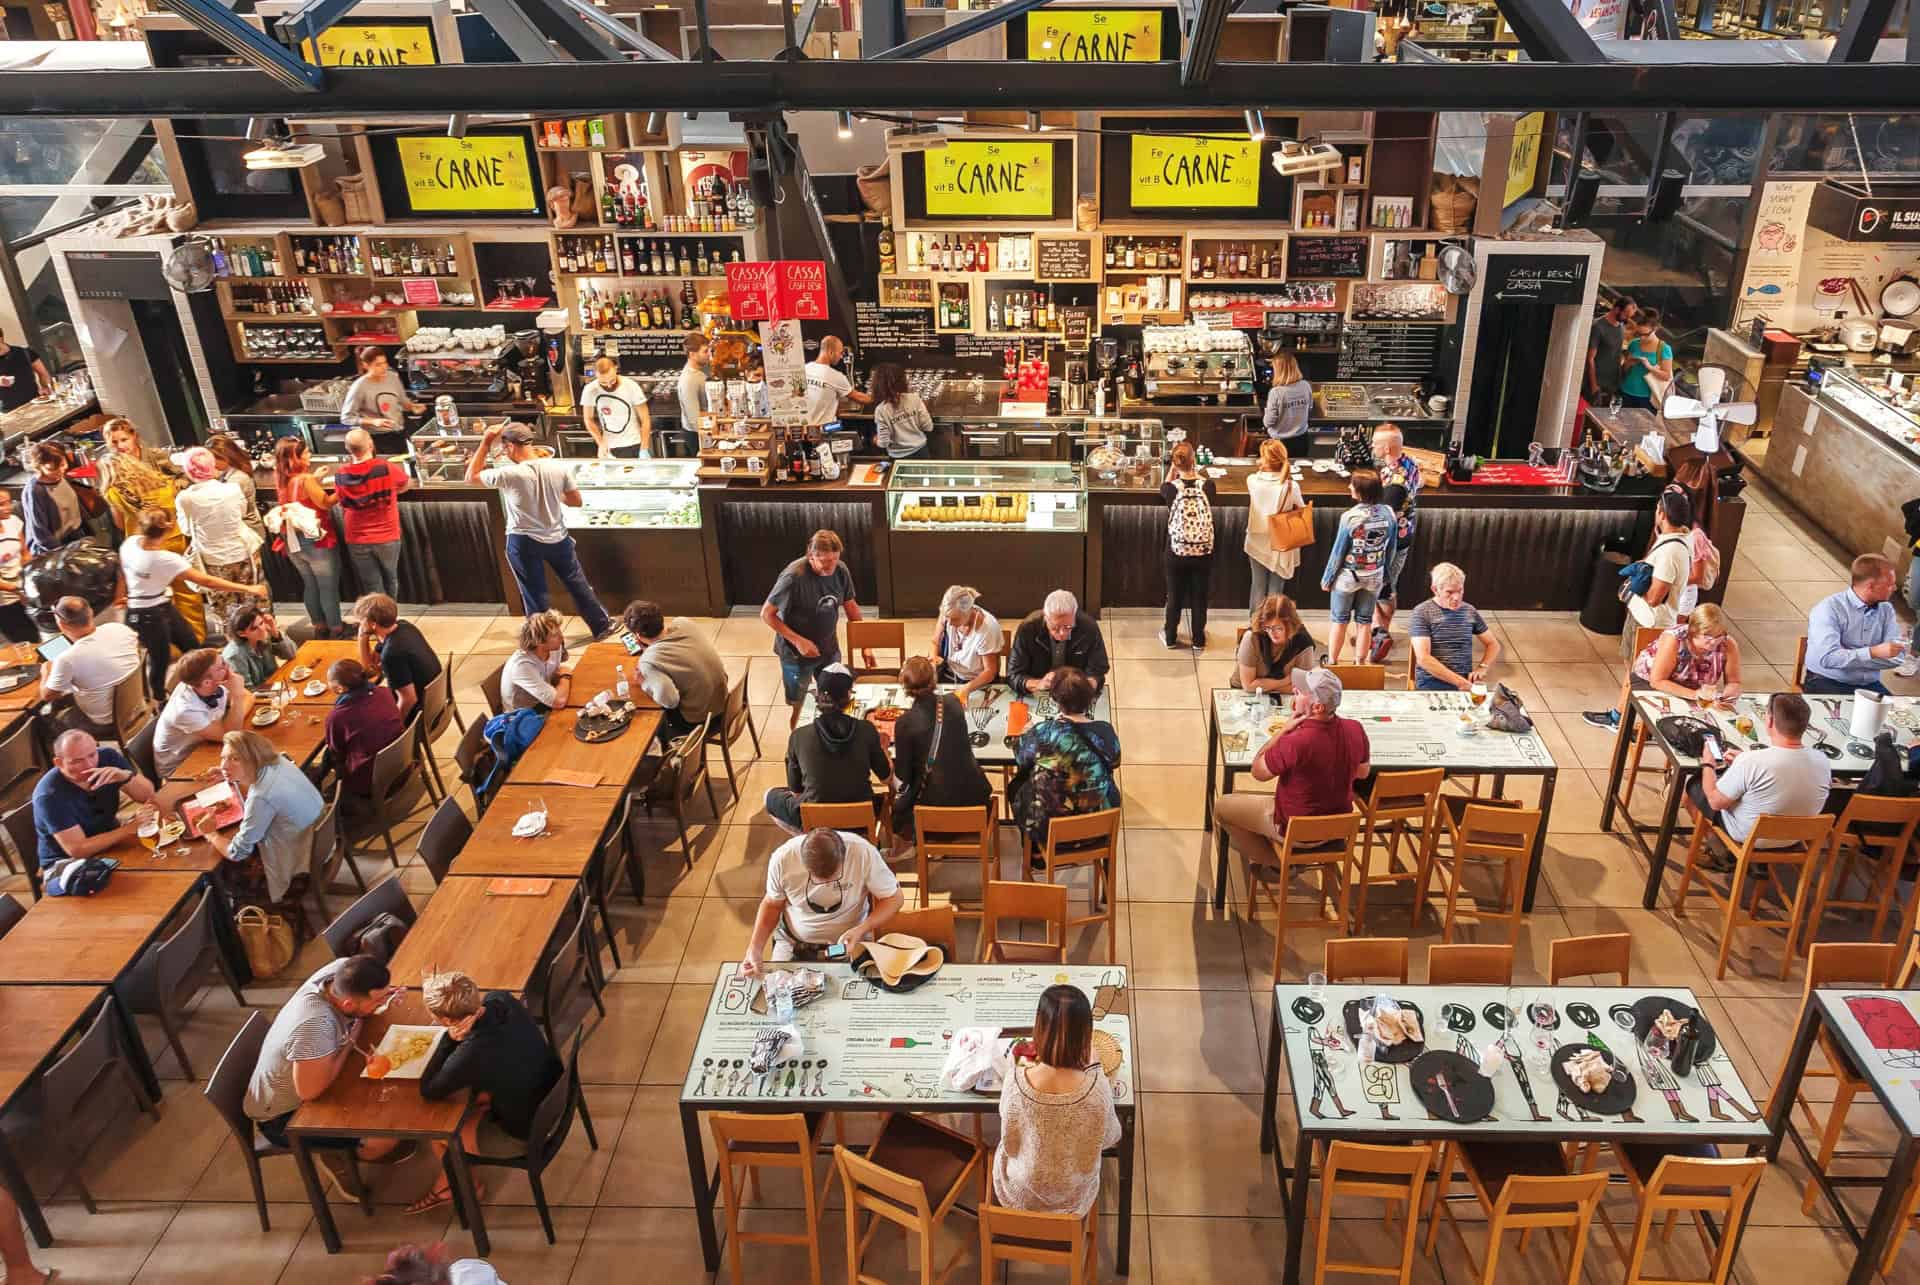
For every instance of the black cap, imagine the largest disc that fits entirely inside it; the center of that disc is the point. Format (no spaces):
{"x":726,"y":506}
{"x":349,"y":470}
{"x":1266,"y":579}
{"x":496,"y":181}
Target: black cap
{"x":518,"y":435}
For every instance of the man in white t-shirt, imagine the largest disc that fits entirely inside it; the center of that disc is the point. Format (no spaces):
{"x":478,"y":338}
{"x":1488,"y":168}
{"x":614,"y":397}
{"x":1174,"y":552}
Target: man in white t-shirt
{"x":534,"y":490}
{"x":827,"y":386}
{"x":614,"y":409}
{"x":1785,"y":779}
{"x":1672,"y":560}
{"x":824,"y":888}
{"x":690,"y":390}
{"x":101,"y":656}
{"x":15,"y":624}
{"x":208,"y":700}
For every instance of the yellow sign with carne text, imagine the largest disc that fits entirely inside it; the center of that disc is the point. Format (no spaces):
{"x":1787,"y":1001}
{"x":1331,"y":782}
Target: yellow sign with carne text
{"x":479,"y":172}
{"x":371,"y":45}
{"x":1094,"y":35}
{"x":1005,"y":178}
{"x":1524,"y":159}
{"x":1191,"y":171}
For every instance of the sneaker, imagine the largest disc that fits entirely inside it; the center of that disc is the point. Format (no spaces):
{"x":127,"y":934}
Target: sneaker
{"x":1607,"y":720}
{"x":1910,"y":667}
{"x":1382,"y":646}
{"x":1199,"y":645}
{"x":1170,"y":641}
{"x":337,"y":1167}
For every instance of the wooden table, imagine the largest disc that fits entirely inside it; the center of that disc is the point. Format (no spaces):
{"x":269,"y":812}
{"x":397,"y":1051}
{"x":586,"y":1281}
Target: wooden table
{"x":38,"y":1020}
{"x":93,"y":939}
{"x":299,"y":734}
{"x":317,"y":655}
{"x":594,"y":671}
{"x":136,"y":858}
{"x":575,"y":820}
{"x":27,"y":694}
{"x":356,"y":1107}
{"x":497,"y":941}
{"x":557,"y":750}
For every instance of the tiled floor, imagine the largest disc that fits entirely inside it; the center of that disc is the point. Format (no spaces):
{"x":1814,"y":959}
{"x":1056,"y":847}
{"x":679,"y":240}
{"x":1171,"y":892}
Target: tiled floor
{"x":174,"y":1199}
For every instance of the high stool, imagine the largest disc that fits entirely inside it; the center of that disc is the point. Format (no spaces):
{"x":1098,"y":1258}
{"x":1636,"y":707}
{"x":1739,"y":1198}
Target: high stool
{"x":1014,"y":900}
{"x":1396,"y":1175}
{"x":1776,"y":842}
{"x":1667,"y":1185}
{"x":1400,"y":807}
{"x":1084,"y":839}
{"x":942,"y":834}
{"x":1877,"y":831}
{"x":750,"y":1143}
{"x":1490,"y":832}
{"x":911,"y":1176}
{"x":1320,"y":845}
{"x":1535,"y":1191}
{"x":1051,"y":1240}
{"x":854,"y":818}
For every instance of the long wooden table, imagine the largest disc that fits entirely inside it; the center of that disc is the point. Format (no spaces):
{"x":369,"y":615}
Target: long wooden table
{"x":575,"y":820}
{"x":299,"y":733}
{"x":496,"y":940}
{"x":93,"y":939}
{"x":38,"y":1021}
{"x":316,"y":655}
{"x":24,"y":695}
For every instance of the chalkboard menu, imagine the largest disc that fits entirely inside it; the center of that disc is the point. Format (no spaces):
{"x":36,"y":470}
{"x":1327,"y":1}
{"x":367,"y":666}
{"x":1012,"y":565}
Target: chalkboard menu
{"x":1062,"y":258}
{"x":1401,"y":352}
{"x":1326,"y":256}
{"x":1537,"y":278}
{"x":1076,"y":326}
{"x":900,"y":328}
{"x":667,"y":344}
{"x":976,"y":345}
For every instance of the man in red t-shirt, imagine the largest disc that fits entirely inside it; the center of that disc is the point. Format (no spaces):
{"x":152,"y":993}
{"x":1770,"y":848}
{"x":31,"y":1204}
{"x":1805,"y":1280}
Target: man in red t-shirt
{"x":1313,"y":762}
{"x":369,"y":490}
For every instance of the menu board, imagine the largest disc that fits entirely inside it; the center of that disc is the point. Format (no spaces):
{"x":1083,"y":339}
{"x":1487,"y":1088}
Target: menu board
{"x":1092,"y":35}
{"x":1195,"y":171}
{"x":1062,"y":258}
{"x":1076,"y":327}
{"x":1326,"y":256}
{"x":661,"y":344}
{"x":998,"y":178}
{"x":901,"y":328}
{"x":1400,"y":351}
{"x":372,"y":44}
{"x":491,"y":173}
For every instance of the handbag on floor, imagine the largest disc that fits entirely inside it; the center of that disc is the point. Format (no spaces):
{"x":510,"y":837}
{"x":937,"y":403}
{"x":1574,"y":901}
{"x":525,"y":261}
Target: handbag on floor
{"x":268,"y":940}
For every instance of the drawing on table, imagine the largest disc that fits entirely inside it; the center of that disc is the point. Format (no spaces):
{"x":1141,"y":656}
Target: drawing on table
{"x":1584,"y":1016}
{"x":706,"y":1069}
{"x":1022,"y":975}
{"x":1380,"y":1085}
{"x":820,"y":1080}
{"x":1627,"y":1116}
{"x":1654,"y":1054}
{"x":1890,"y":1027}
{"x":1458,"y":1018}
{"x":1308,"y":1010}
{"x":1320,"y":1041}
{"x":859,"y":988}
{"x":736,"y":995}
{"x":916,"y":1089}
{"x":1709,"y":1079}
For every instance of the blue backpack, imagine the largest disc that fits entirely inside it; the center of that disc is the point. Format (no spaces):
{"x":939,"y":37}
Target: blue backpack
{"x":508,"y":736}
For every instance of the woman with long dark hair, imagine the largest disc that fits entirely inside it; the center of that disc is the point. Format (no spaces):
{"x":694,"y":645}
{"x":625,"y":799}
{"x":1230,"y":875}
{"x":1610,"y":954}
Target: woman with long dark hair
{"x":237,"y":467}
{"x":900,"y":419}
{"x":306,"y":535}
{"x":1056,"y":1114}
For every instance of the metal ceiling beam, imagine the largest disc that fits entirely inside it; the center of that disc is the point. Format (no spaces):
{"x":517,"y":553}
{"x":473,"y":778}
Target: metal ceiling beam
{"x":617,"y":32}
{"x":1550,"y":33}
{"x":1866,"y":23}
{"x":273,"y":59}
{"x":953,"y":33}
{"x":1202,"y":53}
{"x":312,"y":18}
{"x":517,"y":31}
{"x":562,"y":23}
{"x":814,"y":85}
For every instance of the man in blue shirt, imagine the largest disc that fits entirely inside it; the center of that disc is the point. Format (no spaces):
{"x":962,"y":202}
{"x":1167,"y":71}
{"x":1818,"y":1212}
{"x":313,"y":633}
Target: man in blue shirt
{"x":1853,"y":637}
{"x":76,"y":802}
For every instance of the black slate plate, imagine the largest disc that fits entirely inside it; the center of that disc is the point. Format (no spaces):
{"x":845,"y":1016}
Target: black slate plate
{"x":1397,"y":1054}
{"x":1472,"y":1092}
{"x":1615,"y":1101}
{"x":1647,"y":1008}
{"x":14,"y":676}
{"x":594,"y":730}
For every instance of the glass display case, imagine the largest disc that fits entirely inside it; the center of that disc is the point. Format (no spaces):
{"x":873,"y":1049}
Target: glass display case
{"x":637,"y":493}
{"x":1130,"y":454}
{"x":1869,"y":397}
{"x":986,"y":495}
{"x":441,"y":458}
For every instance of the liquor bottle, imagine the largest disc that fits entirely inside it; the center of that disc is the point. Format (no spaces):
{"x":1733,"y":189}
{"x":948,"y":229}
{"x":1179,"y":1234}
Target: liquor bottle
{"x":1206,"y":267}
{"x":655,"y":258}
{"x":1193,"y":263}
{"x":689,"y":318}
{"x":702,"y":266}
{"x":1110,"y":254}
{"x":221,"y":267}
{"x":661,"y":318}
{"x":1133,"y":256}
{"x":993,"y":314}
{"x":1242,"y":261}
{"x":686,"y":263}
{"x":451,"y":263}
{"x":627,"y":263}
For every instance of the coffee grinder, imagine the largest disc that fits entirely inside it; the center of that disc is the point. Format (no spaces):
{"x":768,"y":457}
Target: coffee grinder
{"x":1105,"y":394}
{"x":1073,"y":395}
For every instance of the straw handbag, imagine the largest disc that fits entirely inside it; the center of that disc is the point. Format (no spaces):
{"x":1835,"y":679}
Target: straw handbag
{"x":268,"y":940}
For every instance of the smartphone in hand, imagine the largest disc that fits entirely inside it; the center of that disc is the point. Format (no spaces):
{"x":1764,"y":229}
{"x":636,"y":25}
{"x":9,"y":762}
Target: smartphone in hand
{"x":837,"y":952}
{"x":1710,"y":751}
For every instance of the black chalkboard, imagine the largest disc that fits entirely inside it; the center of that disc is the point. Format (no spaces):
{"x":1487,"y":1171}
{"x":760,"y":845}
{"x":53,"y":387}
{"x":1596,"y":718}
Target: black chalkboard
{"x":1062,"y":258}
{"x":1326,"y":256}
{"x":1537,"y":278}
{"x":906,"y":329}
{"x":1076,"y":326}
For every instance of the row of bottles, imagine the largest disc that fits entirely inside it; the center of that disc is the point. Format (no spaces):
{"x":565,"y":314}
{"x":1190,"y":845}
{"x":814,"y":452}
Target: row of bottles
{"x":274,"y":301}
{"x":793,"y":459}
{"x":1022,"y":310}
{"x":604,"y":310}
{"x":410,"y":259}
{"x":330,"y":256}
{"x":296,"y":343}
{"x":246,"y":258}
{"x":733,"y":214}
{"x":1237,"y":261}
{"x":625,"y":206}
{"x":960,"y":253}
{"x":597,"y":254}
{"x":956,"y":309}
{"x":604,"y":256}
{"x":1149,"y":254}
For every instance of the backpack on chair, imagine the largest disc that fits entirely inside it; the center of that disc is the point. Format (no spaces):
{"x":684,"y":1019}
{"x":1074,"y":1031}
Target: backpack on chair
{"x":1190,"y":521}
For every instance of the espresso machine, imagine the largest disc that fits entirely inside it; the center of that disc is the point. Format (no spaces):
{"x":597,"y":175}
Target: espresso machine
{"x":1106,"y":394}
{"x":1073,"y":393}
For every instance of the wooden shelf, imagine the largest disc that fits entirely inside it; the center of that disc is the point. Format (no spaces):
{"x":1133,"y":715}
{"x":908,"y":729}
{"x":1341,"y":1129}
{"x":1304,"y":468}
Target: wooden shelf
{"x":273,"y":318}
{"x":288,"y":361}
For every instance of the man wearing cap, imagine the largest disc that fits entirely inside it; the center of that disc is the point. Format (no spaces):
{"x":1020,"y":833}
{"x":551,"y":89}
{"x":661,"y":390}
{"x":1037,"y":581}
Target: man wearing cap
{"x":1313,"y":762}
{"x":532,"y":491}
{"x":824,"y":888}
{"x":829,"y":760}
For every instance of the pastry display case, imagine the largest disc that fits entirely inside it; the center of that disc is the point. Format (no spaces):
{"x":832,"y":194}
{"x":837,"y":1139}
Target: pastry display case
{"x":1874,"y":399}
{"x":985,"y":495}
{"x":1123,"y":453}
{"x":636,"y":493}
{"x":440,"y":458}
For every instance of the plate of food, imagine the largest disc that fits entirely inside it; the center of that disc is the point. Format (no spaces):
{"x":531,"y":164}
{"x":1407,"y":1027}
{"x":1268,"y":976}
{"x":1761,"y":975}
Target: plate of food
{"x":300,"y":673}
{"x":158,"y":833}
{"x":315,"y":688}
{"x":1401,"y":1036}
{"x":265,"y":716}
{"x":1593,"y":1079}
{"x":403,"y":1052}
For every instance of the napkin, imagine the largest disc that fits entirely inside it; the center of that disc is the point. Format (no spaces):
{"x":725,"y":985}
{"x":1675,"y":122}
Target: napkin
{"x":531,"y":824}
{"x":1589,"y":1071}
{"x":1392,"y":1027}
{"x":1669,"y":1025}
{"x":976,"y":1062}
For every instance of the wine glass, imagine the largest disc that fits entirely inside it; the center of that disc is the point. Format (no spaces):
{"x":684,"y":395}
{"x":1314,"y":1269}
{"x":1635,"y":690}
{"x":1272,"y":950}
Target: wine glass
{"x":1317,"y":988}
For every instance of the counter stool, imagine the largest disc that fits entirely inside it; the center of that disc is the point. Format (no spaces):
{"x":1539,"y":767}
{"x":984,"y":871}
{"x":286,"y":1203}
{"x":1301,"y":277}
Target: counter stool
{"x":1877,"y":831}
{"x":1489,"y":831}
{"x":1393,"y":1175}
{"x":1908,"y":1223}
{"x":1590,"y":956}
{"x":1084,"y":839}
{"x":1361,"y":959}
{"x":1321,"y":845}
{"x":1400,"y":808}
{"x":1017,"y":901}
{"x":942,"y":834}
{"x":1666,"y":1185}
{"x":856,"y":818}
{"x":1051,"y":1240}
{"x":1523,"y":1187}
{"x":1464,"y":965}
{"x":749,"y":1143}
{"x":911,"y":1176}
{"x":1789,"y":843}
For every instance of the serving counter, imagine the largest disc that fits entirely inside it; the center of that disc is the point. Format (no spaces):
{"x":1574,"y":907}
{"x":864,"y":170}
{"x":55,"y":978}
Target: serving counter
{"x":1845,"y":454}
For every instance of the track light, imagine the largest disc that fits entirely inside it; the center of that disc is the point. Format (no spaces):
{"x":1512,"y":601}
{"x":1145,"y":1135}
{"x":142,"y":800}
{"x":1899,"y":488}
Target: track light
{"x":846,"y":124}
{"x":656,"y":123}
{"x":1256,"y":124}
{"x":457,"y":125}
{"x":1582,"y":191}
{"x":259,"y":128}
{"x":1033,"y":122}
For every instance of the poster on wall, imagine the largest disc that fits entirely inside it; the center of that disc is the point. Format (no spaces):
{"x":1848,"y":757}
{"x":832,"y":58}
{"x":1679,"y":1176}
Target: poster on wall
{"x":484,"y":175}
{"x":1523,"y":160}
{"x":786,"y":358}
{"x":1190,"y":171}
{"x":373,"y":44}
{"x":1771,"y":285}
{"x":999,"y":178}
{"x":1091,"y":35}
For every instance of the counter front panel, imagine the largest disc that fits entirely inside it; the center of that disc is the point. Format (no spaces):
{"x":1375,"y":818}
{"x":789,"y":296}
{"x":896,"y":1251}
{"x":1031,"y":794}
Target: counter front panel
{"x":760,"y":530}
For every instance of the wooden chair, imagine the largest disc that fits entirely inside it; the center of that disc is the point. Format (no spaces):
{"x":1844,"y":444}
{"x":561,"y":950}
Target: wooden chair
{"x":1490,"y":832}
{"x":676,"y":775}
{"x":943,"y":834}
{"x":21,"y":765}
{"x":1085,"y":839}
{"x":388,"y":897}
{"x":25,"y":841}
{"x":749,"y":1143}
{"x":935,"y":925}
{"x":398,"y":788}
{"x":1667,"y":1186}
{"x":490,"y":689}
{"x":1642,"y":636}
{"x":474,"y":758}
{"x":1776,"y":843}
{"x":1320,"y":845}
{"x":1907,"y":1224}
{"x":1049,"y":1240}
{"x":139,"y":749}
{"x":1521,"y":1187}
{"x":459,"y":719}
{"x":867,"y":635}
{"x":614,"y":855}
{"x":1590,"y":956}
{"x":1016,"y":901}
{"x":1393,"y":1175}
{"x":11,"y":912}
{"x":737,"y":718}
{"x":552,"y":1122}
{"x":1359,"y":959}
{"x":1837,"y":963}
{"x":1876,"y":831}
{"x":326,"y":855}
{"x":854,"y":818}
{"x":911,"y":1176}
{"x":1799,"y":677}
{"x":1360,"y":678}
{"x":132,"y":706}
{"x":1401,"y":808}
{"x":1461,"y":965}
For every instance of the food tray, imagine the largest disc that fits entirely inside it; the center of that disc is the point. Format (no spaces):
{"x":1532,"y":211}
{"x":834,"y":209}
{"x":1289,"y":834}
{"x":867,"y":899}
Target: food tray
{"x":414,"y":1067}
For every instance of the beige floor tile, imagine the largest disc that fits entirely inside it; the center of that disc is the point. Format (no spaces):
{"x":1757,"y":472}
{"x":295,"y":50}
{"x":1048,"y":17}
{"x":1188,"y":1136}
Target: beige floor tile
{"x":739,"y":861}
{"x":743,"y":635}
{"x":1166,"y":865}
{"x":719,"y":934}
{"x":1162,"y":735}
{"x":364,"y":1244}
{"x":1178,"y":947}
{"x":763,"y":677}
{"x":663,"y":1243}
{"x":653,"y":937}
{"x":1779,"y":562}
{"x":1203,"y":1043}
{"x":1753,"y":959}
{"x":1536,"y":642}
{"x":1155,"y":684}
{"x":1593,"y":870}
{"x":679,"y":1031}
{"x":1137,"y":637}
{"x":1805,"y":594}
{"x":619,"y":1046}
{"x":224,"y":1242}
{"x":107,"y":1248}
{"x":1572,"y":686}
{"x":649,"y":1165}
{"x":1188,"y":1172}
{"x":144,"y":1159}
{"x":518,"y":1243}
{"x":1213,"y":674}
{"x":457,"y":634}
{"x":1594,"y":749}
{"x":1775,"y":643}
{"x":576,"y":1175}
{"x":1757,"y":600}
{"x":1660,"y":952}
{"x":1162,"y":797}
{"x":1804,"y":1255}
{"x":1202,"y":1251}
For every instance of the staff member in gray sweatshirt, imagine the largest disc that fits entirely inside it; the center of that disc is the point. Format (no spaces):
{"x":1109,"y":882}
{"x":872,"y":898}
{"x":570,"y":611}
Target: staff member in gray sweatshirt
{"x":377,"y":398}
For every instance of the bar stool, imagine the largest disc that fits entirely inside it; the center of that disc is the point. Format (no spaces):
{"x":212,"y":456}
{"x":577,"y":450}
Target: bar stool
{"x":1906,"y":1225}
{"x":1464,"y":965}
{"x":854,"y":818}
{"x":1837,"y":963}
{"x":1400,"y":807}
{"x":1084,"y":839}
{"x":1050,"y":1240}
{"x":1668,"y":1185}
{"x":1360,"y":678}
{"x":1776,"y":842}
{"x":1496,"y":831}
{"x":1018,"y":900}
{"x":1362,"y":959}
{"x":1394,"y":1175}
{"x":1320,"y":845}
{"x":911,"y":1176}
{"x":1642,"y":636}
{"x":750,"y":1143}
{"x":1878,"y":831}
{"x":1590,"y":956}
{"x":1799,"y":676}
{"x":1530,"y":1177}
{"x":941,"y":834}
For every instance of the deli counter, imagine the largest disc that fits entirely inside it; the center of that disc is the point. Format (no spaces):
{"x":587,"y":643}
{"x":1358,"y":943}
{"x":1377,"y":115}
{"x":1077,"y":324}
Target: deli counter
{"x":1844,"y":452}
{"x":1014,"y":529}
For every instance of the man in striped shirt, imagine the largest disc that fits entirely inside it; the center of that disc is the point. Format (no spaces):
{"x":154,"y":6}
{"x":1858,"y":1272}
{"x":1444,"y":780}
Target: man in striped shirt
{"x":1443,"y":629}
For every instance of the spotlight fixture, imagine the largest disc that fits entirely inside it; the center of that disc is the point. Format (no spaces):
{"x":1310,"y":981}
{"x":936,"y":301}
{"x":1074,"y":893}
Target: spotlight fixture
{"x":1581,"y":193}
{"x":1033,"y":122}
{"x":846,"y":124}
{"x":656,"y":123}
{"x":457,"y":125}
{"x":1256,"y":124}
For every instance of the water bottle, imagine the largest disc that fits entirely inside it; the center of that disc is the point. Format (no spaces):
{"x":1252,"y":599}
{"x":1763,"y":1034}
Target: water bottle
{"x":622,"y":690}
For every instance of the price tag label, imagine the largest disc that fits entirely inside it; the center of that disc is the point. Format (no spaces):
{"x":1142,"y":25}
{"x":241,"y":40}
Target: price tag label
{"x":971,"y":501}
{"x":949,"y":501}
{"x":1003,"y":501}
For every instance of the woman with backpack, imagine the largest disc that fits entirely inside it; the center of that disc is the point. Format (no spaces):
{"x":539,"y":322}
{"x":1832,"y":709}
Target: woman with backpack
{"x":1189,"y":498}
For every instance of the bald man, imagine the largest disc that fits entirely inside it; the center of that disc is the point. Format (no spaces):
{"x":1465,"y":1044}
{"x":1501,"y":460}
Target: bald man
{"x":76,"y":804}
{"x":369,"y":490}
{"x":827,"y":387}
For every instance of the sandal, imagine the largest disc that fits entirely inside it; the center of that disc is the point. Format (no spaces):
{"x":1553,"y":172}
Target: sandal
{"x":442,"y":1195}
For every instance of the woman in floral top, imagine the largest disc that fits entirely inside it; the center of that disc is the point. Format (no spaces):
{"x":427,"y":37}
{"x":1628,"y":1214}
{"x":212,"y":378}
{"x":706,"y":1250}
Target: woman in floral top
{"x":1065,"y":766}
{"x":1695,"y":655}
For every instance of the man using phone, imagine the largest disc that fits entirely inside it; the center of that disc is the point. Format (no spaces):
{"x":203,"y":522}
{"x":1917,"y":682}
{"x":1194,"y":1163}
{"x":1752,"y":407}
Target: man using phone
{"x":1784,"y":779}
{"x":824,"y":889}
